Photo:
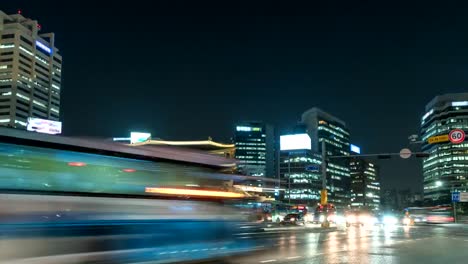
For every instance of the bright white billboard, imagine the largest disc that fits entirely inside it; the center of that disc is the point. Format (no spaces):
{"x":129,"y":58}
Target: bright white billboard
{"x":44,"y":126}
{"x":355,"y":149}
{"x":137,"y":137}
{"x":297,"y":141}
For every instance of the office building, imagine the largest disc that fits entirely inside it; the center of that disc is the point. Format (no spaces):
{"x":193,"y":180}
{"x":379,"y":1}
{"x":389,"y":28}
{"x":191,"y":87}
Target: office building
{"x":365,"y":184}
{"x":322,"y":126}
{"x":446,"y":168}
{"x":255,"y":149}
{"x":30,"y":72}
{"x":299,"y":168}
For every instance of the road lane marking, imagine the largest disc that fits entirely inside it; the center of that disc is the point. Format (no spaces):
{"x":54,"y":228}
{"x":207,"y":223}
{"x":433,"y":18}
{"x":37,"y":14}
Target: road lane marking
{"x":294,"y":257}
{"x":268,"y":260}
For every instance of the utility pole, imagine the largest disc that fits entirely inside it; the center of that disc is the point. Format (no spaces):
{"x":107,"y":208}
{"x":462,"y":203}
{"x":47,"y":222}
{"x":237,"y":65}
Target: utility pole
{"x":289,"y":178}
{"x":323,"y":193}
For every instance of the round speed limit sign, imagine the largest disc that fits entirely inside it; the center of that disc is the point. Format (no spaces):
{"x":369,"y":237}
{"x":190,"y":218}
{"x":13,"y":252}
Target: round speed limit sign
{"x":457,"y":136}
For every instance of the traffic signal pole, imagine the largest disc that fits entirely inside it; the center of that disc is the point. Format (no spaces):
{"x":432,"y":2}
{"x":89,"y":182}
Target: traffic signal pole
{"x":323,"y":193}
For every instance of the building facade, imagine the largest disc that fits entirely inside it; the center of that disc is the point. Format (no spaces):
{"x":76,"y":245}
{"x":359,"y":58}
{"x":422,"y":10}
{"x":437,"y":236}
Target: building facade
{"x":322,"y":126}
{"x":446,"y":169}
{"x":256,"y":149}
{"x":300,"y":183}
{"x":365,"y":184}
{"x":30,"y":72}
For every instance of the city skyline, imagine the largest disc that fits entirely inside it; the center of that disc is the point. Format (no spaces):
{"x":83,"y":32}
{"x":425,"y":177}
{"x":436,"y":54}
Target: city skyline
{"x":274,"y":67}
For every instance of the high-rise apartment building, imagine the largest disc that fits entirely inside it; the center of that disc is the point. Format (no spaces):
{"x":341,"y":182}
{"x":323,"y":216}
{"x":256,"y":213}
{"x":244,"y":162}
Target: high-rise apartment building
{"x":30,"y":72}
{"x":256,"y":149}
{"x":322,"y":126}
{"x":365,"y":184}
{"x":446,"y":169}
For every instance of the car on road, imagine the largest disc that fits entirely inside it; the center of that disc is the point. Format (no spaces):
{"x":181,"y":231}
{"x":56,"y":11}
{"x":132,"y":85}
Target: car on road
{"x":359,"y":219}
{"x":293,"y":219}
{"x":385,"y":219}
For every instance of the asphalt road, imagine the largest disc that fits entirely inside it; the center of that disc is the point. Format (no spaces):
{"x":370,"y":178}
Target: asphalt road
{"x":446,"y":244}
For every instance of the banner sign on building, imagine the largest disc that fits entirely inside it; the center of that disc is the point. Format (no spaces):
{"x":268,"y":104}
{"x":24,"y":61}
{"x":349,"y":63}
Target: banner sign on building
{"x":44,"y":126}
{"x":293,"y":142}
{"x":138,"y":137}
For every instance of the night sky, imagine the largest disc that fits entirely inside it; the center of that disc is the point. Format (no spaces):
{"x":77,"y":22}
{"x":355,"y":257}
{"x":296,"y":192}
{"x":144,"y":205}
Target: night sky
{"x":189,"y":70}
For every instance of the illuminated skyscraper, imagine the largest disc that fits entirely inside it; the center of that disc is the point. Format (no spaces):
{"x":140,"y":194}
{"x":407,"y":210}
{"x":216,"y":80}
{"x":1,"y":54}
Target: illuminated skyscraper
{"x":446,"y":168}
{"x":30,"y":72}
{"x":256,"y":149}
{"x":322,"y":126}
{"x":365,"y":184}
{"x":300,"y":174}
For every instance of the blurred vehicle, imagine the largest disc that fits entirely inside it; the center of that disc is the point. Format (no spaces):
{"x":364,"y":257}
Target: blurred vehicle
{"x":386,"y":219}
{"x":59,"y":204}
{"x":360,"y":218}
{"x":322,"y":213}
{"x":433,"y":214}
{"x":274,"y":211}
{"x":417,"y":215}
{"x":440,"y":217}
{"x":294,"y":219}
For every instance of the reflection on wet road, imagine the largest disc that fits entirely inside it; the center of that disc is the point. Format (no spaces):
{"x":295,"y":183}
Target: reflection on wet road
{"x":418,"y":244}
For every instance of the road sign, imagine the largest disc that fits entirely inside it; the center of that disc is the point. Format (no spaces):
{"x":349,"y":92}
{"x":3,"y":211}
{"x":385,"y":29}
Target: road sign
{"x":460,"y":197}
{"x":457,"y":136}
{"x":463,"y":196}
{"x":405,"y":153}
{"x":312,"y":168}
{"x":437,"y":139}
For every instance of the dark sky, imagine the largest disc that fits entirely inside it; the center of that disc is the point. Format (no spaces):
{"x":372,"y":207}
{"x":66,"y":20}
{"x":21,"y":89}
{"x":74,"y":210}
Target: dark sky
{"x":189,"y":70}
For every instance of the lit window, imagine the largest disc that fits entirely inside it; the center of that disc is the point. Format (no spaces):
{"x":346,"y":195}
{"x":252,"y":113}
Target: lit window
{"x":22,"y":96}
{"x":21,"y":123}
{"x":55,"y":86}
{"x":26,"y":50}
{"x":7,"y":46}
{"x":4,"y":120}
{"x":39,"y":103}
{"x":42,"y":60}
{"x":243,"y":128}
{"x":54,"y":110}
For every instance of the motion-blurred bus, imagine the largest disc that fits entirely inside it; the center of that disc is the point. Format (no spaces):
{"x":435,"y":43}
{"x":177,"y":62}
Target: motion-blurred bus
{"x":432,"y":214}
{"x":66,"y":200}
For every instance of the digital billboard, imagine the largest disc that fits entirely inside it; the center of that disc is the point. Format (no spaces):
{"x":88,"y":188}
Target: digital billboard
{"x":355,"y":149}
{"x":137,"y":137}
{"x":296,"y":141}
{"x":44,"y":126}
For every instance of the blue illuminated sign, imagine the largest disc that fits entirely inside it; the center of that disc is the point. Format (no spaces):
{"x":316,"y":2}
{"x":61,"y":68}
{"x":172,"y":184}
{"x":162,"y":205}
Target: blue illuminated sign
{"x":43,"y":47}
{"x":355,"y":149}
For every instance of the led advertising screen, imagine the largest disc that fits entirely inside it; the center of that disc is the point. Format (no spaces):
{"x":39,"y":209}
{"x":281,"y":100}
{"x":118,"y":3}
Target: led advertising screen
{"x":355,"y":149}
{"x":138,"y":137}
{"x":44,"y":126}
{"x":293,"y":142}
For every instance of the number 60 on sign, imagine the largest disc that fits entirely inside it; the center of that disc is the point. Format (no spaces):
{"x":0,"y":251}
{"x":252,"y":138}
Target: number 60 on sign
{"x":457,"y":136}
